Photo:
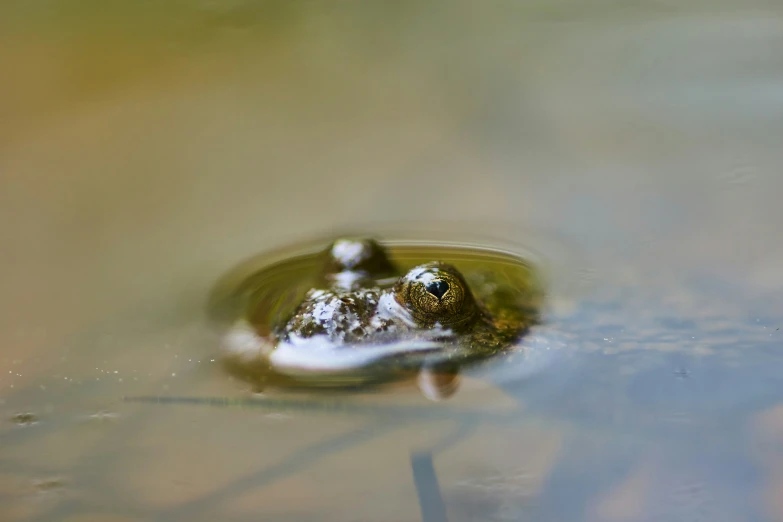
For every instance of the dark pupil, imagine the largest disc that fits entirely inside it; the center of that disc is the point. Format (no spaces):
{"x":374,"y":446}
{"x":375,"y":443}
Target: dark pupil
{"x":437,"y":288}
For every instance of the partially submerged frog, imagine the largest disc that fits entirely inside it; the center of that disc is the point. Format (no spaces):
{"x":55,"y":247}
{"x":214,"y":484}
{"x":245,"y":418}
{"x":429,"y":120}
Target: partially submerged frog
{"x":366,"y":322}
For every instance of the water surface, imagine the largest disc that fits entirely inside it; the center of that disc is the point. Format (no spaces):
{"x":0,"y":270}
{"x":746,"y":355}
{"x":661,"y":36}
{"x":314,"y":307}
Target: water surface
{"x":144,"y":151}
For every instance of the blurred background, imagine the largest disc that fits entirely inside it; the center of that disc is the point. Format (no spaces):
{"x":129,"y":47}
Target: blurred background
{"x":147,"y":147}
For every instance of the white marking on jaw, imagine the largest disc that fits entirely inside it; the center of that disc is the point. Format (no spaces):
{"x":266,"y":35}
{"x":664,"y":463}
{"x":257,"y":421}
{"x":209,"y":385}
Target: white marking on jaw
{"x":318,"y":354}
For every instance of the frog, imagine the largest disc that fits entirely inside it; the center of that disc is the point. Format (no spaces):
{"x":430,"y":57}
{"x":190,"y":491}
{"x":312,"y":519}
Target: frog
{"x":366,"y":322}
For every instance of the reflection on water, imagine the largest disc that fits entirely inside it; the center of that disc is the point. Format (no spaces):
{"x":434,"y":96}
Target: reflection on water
{"x":146,"y":150}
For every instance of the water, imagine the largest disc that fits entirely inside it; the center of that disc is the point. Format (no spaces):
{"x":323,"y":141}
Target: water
{"x":144,"y":151}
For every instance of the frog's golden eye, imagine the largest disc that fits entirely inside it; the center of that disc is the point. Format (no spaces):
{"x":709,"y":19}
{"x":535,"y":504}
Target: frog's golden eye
{"x":438,"y":288}
{"x":436,"y":293}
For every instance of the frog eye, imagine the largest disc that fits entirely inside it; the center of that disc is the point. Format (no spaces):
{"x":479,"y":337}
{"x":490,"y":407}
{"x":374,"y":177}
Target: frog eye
{"x":438,"y":288}
{"x":435,"y":293}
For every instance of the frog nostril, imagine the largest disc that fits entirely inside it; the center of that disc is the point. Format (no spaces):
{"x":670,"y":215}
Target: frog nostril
{"x":437,"y":288}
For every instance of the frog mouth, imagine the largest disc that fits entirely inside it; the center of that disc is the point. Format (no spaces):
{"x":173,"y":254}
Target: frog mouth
{"x":319,"y":355}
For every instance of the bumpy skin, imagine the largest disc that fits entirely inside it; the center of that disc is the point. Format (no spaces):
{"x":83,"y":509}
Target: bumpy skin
{"x":432,"y":300}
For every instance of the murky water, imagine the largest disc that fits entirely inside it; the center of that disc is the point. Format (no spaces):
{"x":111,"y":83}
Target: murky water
{"x":145,"y":150}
